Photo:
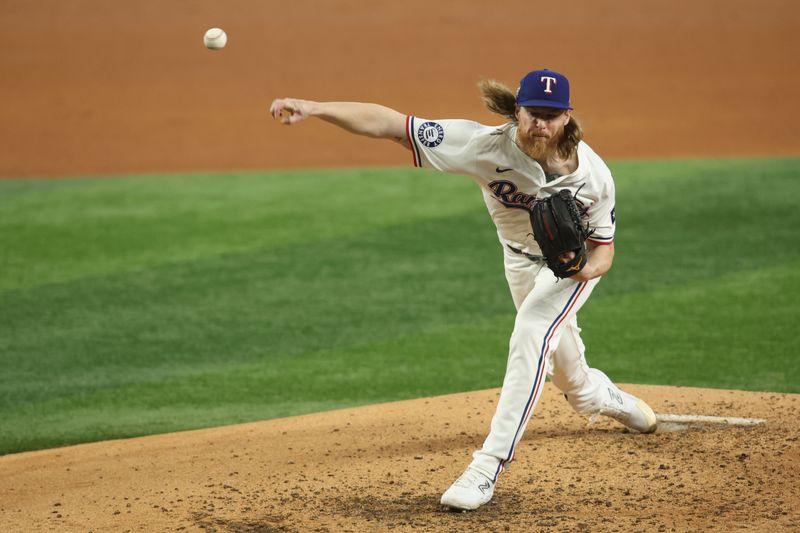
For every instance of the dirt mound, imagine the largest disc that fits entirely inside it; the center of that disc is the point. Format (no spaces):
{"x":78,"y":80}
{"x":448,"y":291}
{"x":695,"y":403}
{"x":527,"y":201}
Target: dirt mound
{"x":385,"y":466}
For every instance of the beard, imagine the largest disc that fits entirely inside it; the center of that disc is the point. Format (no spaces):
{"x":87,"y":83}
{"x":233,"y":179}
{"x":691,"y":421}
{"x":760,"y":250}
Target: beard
{"x":539,"y":148}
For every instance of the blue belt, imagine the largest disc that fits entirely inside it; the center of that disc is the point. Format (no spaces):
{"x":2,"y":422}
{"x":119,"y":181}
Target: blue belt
{"x":534,"y":258}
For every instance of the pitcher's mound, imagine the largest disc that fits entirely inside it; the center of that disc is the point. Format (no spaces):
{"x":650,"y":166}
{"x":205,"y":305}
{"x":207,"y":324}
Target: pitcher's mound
{"x":384,"y":467}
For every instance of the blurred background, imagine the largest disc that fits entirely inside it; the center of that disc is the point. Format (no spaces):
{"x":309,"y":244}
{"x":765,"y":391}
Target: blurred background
{"x":95,"y":87}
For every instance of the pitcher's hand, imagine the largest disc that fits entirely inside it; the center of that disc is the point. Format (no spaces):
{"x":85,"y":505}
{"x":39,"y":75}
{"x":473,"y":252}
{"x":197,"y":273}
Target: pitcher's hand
{"x":291,"y":110}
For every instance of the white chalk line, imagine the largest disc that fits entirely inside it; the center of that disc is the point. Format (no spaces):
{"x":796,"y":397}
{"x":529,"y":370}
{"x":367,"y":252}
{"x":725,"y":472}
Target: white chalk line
{"x":730,"y":420}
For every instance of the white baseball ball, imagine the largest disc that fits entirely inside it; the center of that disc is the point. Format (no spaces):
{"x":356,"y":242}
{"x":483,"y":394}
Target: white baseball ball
{"x":215,"y":39}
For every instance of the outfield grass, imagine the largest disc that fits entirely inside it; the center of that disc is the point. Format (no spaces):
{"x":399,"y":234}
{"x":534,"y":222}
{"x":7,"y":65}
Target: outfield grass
{"x":147,"y":304}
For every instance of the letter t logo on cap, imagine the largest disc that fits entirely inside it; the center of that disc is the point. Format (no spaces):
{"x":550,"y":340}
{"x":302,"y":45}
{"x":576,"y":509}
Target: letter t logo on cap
{"x":548,"y":80}
{"x":544,"y":88}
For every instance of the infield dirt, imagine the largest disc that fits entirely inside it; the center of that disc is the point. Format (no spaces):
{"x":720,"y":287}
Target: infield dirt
{"x":384,"y":467}
{"x":94,"y":87}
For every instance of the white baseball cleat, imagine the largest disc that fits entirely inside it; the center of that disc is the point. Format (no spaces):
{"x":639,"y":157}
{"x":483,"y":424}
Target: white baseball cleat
{"x":469,"y":491}
{"x":625,"y":408}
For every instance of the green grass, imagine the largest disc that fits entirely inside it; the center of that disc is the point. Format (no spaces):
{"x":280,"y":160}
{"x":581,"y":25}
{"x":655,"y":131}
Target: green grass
{"x":141,"y":305}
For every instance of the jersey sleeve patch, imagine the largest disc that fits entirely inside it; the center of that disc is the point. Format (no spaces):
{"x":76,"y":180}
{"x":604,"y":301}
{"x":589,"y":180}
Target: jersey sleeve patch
{"x":430,"y":134}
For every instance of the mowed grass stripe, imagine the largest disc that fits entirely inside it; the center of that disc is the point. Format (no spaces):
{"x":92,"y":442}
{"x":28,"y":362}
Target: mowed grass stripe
{"x":679,"y":221}
{"x":53,"y":231}
{"x":735,"y":331}
{"x":267,"y":303}
{"x":447,"y":359}
{"x":126,"y":346}
{"x":625,"y":336}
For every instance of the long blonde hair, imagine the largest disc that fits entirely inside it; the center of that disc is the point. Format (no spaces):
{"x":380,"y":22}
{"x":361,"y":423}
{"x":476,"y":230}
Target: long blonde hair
{"x":499,"y":99}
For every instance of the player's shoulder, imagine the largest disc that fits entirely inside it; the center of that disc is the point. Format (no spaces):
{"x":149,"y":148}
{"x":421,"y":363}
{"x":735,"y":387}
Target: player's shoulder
{"x":494,"y":138}
{"x":434,"y":132}
{"x":591,"y":164}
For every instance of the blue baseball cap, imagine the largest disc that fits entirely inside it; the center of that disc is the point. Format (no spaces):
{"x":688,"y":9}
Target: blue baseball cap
{"x":544,"y":88}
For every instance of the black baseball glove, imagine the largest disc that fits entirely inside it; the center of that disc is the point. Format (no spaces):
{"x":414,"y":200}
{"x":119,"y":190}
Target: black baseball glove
{"x":558,"y":229}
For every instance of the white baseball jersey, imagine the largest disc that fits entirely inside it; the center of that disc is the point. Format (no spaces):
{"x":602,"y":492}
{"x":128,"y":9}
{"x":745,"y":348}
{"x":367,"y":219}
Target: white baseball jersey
{"x":511,"y":180}
{"x":546,"y":338}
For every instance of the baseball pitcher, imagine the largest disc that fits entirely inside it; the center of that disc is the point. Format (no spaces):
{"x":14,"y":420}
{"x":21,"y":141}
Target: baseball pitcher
{"x":551,"y":198}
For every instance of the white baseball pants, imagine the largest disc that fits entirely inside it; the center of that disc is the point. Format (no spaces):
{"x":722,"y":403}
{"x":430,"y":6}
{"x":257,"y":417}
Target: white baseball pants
{"x":545,"y":341}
